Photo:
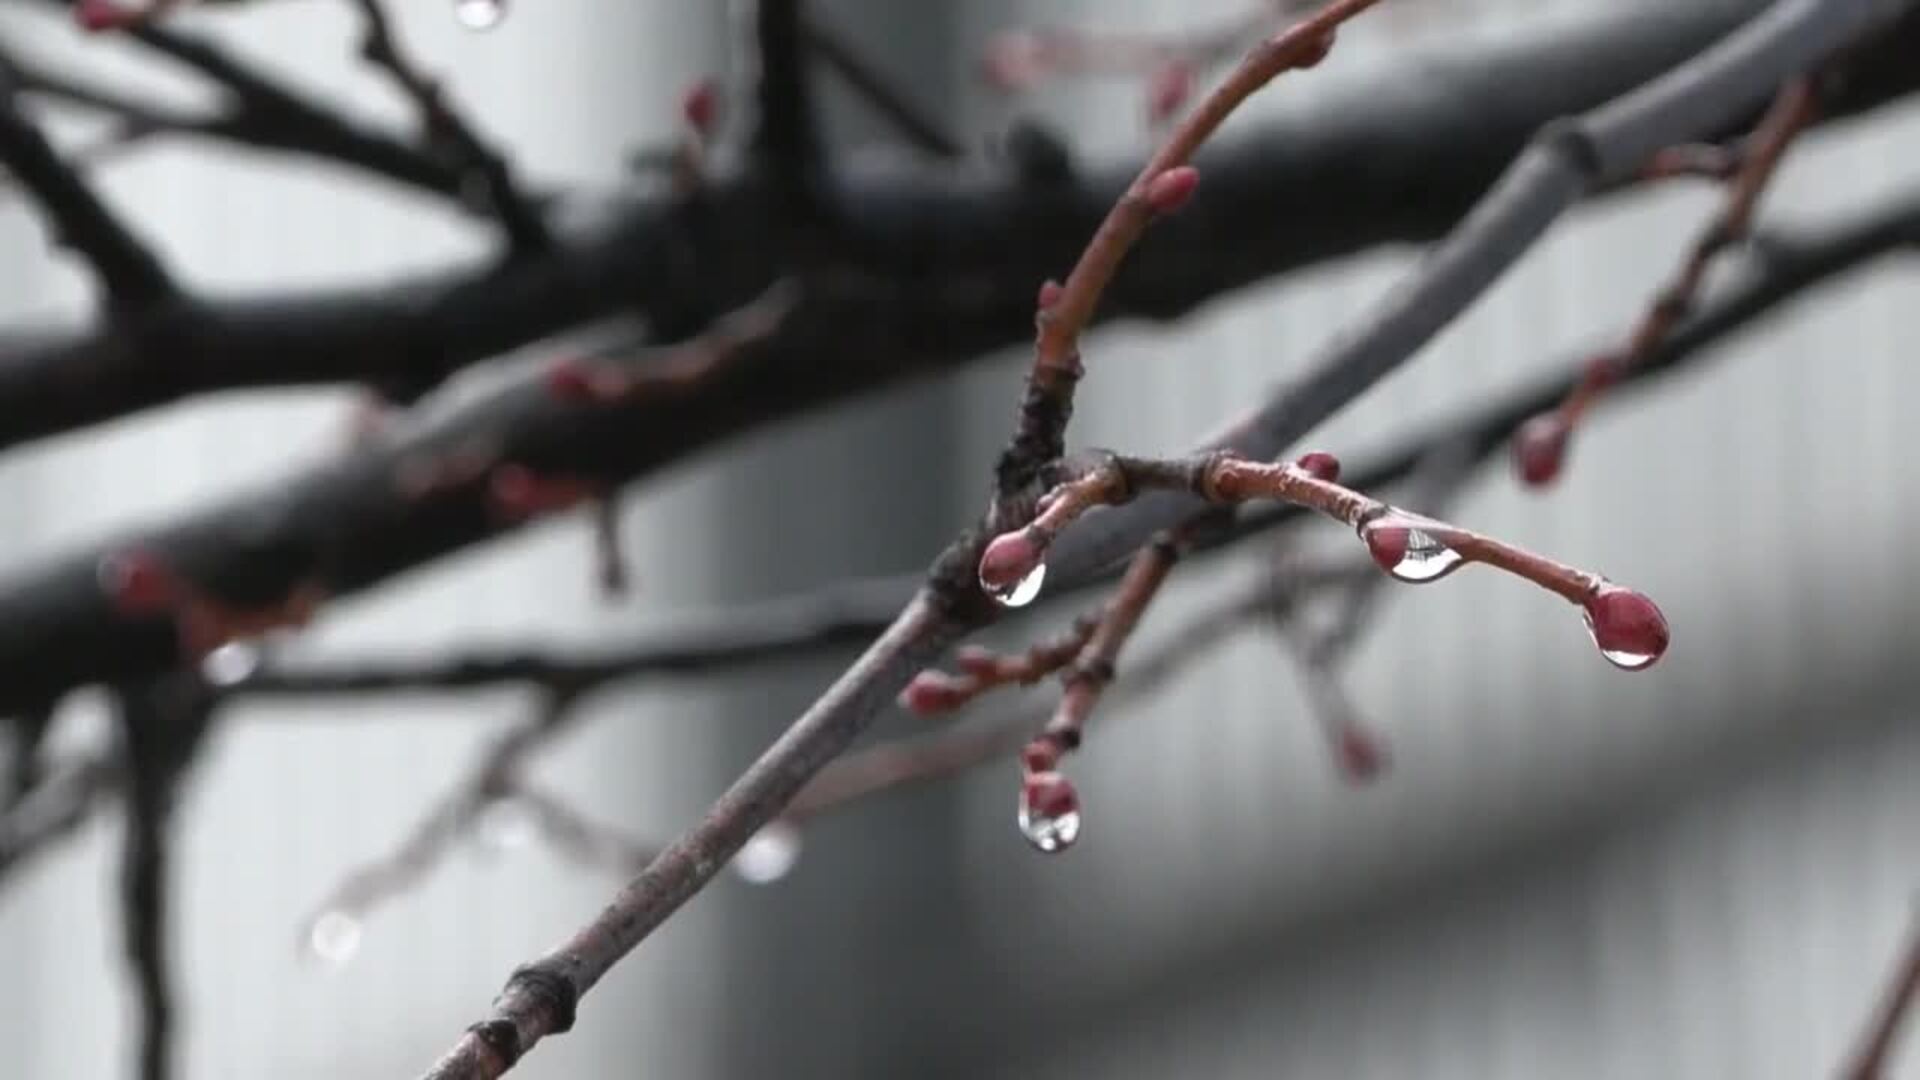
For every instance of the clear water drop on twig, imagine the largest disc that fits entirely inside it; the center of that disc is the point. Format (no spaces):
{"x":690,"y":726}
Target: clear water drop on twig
{"x":479,"y":14}
{"x":770,"y":855}
{"x":1049,"y":812}
{"x":230,"y":664}
{"x":507,"y":824}
{"x":334,"y":938}
{"x":1627,"y":627}
{"x":1409,"y":552}
{"x":1022,"y":592}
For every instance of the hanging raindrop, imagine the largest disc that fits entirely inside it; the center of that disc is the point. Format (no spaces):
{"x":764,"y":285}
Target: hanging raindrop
{"x":1626,"y":627}
{"x":505,"y":825}
{"x":334,"y":938}
{"x":770,"y":855}
{"x":1049,"y":812}
{"x":230,"y":664}
{"x":479,"y":14}
{"x":1407,"y":551}
{"x":1020,"y":593}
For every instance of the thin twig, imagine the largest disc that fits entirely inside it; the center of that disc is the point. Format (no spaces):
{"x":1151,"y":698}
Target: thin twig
{"x":130,"y":274}
{"x":54,"y":808}
{"x":840,"y":57}
{"x":1875,"y":1056}
{"x":446,"y":131}
{"x":1540,"y":449}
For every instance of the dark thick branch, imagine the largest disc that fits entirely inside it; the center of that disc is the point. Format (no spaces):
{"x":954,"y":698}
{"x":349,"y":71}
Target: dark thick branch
{"x":130,"y":274}
{"x":949,"y":267}
{"x":258,"y":111}
{"x":487,"y":177}
{"x":76,"y":637}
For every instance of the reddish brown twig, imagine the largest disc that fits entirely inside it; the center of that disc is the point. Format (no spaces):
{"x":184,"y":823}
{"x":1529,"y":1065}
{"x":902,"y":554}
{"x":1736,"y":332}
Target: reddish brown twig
{"x":1627,"y":627}
{"x":1049,"y":814}
{"x":1162,"y":186}
{"x":1874,"y":1058}
{"x":933,"y":692}
{"x":1540,"y":446}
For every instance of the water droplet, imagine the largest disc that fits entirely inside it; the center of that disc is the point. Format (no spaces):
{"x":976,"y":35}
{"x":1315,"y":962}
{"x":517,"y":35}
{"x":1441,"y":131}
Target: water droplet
{"x":770,"y":855}
{"x":1627,"y":627}
{"x":1022,"y":592}
{"x":334,"y":938}
{"x":1407,"y":551}
{"x":479,"y":14}
{"x":230,"y":664}
{"x":1049,"y":812}
{"x":507,"y":825}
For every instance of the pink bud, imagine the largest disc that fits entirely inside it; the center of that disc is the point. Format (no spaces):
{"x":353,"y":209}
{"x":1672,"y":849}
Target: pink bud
{"x":700,"y":107}
{"x":932,"y":693}
{"x":1050,"y":292}
{"x":1049,"y":796}
{"x":513,"y":489}
{"x":977,"y":660}
{"x":569,"y":380}
{"x":1008,"y":560}
{"x":1015,"y":61}
{"x":1362,"y":758}
{"x":1169,"y":89}
{"x":138,"y":583}
{"x":1319,"y":51}
{"x":1603,"y":371}
{"x":1627,"y":626}
{"x":1041,"y":755}
{"x":1172,"y":189}
{"x":1320,"y":465}
{"x":1388,"y":545}
{"x":1539,"y":449}
{"x":97,"y":16}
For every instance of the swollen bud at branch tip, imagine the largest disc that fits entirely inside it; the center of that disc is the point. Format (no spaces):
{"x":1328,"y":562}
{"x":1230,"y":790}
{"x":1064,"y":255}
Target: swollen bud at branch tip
{"x":1050,"y":291}
{"x":1008,"y":560}
{"x":1015,"y":61}
{"x":1049,"y":811}
{"x":932,"y":693}
{"x":1172,"y":189}
{"x":98,"y":16}
{"x":569,"y":380}
{"x":1539,"y":449}
{"x":700,"y":108}
{"x":1320,"y":465}
{"x":1627,"y":627}
{"x":1362,"y":758}
{"x":1168,"y":90}
{"x":1042,"y":755}
{"x":137,"y":583}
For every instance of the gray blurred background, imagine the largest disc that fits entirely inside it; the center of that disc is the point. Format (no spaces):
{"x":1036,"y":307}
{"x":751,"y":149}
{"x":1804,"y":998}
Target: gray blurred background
{"x":1704,"y":871}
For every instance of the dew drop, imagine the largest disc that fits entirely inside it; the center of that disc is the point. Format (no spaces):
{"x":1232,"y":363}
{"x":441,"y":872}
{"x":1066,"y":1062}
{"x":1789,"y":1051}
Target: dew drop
{"x":770,"y":855}
{"x":1022,"y":592}
{"x":1049,"y":812}
{"x":507,"y":825}
{"x":334,"y":938}
{"x":1626,"y":627}
{"x":230,"y":664}
{"x":1408,"y":552}
{"x":479,"y":14}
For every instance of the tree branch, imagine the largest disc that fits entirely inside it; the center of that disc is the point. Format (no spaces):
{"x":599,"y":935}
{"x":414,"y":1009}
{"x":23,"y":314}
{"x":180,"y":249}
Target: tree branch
{"x":130,"y":274}
{"x":487,"y":178}
{"x":540,"y":998}
{"x":1875,"y":1055}
{"x":923,"y":131}
{"x":1566,"y":161}
{"x":951,"y":265}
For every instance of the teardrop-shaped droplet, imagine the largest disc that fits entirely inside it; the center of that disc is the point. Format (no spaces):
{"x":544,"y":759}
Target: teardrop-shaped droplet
{"x":479,"y":14}
{"x":1627,"y":627}
{"x":1022,"y":592}
{"x":1049,"y":812}
{"x":770,"y":855}
{"x":334,"y":938}
{"x":506,"y":825}
{"x":1407,"y":551}
{"x":230,"y":664}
